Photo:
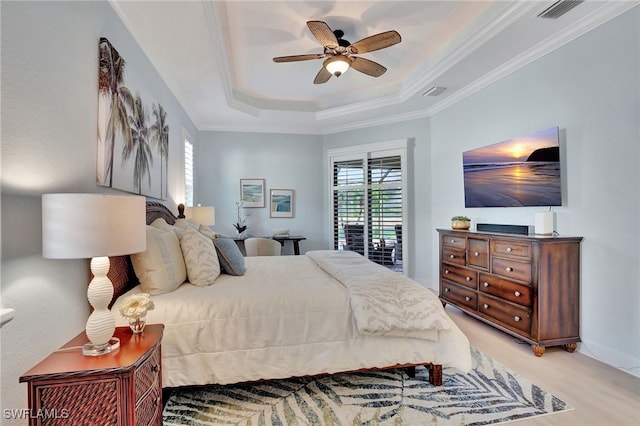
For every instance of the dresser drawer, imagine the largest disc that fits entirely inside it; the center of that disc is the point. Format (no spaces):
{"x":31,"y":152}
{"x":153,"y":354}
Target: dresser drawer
{"x":147,"y":375}
{"x":478,"y":254}
{"x":510,"y":248}
{"x":454,"y":241}
{"x":460,"y":295}
{"x":511,"y":269}
{"x":511,"y":315}
{"x":505,"y":289}
{"x":454,"y":255}
{"x":463,"y":276}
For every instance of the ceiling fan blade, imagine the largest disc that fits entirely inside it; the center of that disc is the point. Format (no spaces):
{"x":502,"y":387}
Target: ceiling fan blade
{"x":323,"y":33}
{"x":323,"y":76}
{"x":368,"y":67}
{"x":376,"y":42}
{"x":296,"y":58}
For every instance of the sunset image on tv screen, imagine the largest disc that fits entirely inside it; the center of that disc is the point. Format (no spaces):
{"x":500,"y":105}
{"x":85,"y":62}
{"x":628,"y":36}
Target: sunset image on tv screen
{"x":519,"y":172}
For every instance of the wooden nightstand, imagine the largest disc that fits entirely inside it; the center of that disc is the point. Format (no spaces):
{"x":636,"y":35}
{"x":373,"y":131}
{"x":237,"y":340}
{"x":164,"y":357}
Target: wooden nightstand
{"x":120,"y":388}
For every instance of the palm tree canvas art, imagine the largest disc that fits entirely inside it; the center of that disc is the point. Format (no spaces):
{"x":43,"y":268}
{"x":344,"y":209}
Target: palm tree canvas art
{"x":133,"y":144}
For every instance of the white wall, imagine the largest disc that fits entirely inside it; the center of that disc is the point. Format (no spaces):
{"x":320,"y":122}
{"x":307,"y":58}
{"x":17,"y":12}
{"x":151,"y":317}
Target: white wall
{"x":284,"y":161}
{"x":49,"y":121}
{"x":590,"y":89}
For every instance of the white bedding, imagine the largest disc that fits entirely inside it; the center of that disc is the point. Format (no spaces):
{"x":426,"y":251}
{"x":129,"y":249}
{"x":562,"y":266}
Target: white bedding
{"x":285,"y":317}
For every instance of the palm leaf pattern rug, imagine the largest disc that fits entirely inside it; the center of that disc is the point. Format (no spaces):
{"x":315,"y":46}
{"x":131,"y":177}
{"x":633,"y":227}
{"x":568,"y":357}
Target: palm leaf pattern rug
{"x":489,"y":394}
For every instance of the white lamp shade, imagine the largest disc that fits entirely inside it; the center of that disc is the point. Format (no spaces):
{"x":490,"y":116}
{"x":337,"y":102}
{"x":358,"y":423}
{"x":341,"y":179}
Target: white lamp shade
{"x":81,"y":226}
{"x":202,"y":215}
{"x":337,"y":65}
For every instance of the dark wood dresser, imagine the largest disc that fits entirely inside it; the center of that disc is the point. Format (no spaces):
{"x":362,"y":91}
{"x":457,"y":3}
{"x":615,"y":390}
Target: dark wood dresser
{"x":525,"y":285}
{"x":121,"y":388}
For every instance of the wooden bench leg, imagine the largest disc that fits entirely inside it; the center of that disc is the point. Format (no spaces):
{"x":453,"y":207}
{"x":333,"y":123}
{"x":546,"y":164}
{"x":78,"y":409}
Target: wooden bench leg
{"x":435,"y":374}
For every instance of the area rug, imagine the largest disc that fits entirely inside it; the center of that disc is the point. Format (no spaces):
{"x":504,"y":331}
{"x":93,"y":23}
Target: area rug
{"x":489,"y":394}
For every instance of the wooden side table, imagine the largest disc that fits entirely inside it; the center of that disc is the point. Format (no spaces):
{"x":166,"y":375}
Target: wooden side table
{"x":120,"y":388}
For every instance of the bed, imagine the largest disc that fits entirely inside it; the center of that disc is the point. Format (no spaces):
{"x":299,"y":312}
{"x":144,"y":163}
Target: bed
{"x":290,"y":316}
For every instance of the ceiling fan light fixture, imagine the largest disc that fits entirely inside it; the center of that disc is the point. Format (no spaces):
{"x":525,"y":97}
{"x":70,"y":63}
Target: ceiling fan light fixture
{"x":337,"y":65}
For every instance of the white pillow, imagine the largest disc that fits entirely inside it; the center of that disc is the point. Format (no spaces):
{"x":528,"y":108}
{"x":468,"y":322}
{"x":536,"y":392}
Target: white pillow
{"x":160,"y":223}
{"x":187,"y":223}
{"x":200,"y":257}
{"x":207,"y":232}
{"x":161,"y":267}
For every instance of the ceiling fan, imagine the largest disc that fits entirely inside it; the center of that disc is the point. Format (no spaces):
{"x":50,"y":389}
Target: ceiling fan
{"x":339,"y":53}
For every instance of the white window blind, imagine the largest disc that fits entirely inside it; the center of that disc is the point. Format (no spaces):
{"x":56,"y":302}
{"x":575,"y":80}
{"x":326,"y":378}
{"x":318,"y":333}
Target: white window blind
{"x":188,"y":173}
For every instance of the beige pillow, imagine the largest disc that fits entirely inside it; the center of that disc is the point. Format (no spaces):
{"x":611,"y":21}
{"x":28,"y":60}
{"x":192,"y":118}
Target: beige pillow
{"x":200,"y":258}
{"x":160,"y":223}
{"x":207,"y":232}
{"x":161,"y":267}
{"x":187,"y":223}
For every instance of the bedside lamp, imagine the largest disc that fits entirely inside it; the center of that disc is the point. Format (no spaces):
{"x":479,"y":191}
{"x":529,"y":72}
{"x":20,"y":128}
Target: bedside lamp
{"x":96,"y":226}
{"x":202,"y":215}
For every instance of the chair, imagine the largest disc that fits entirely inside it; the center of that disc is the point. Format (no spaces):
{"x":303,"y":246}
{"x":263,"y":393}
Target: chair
{"x":262,"y":247}
{"x":354,"y":237}
{"x":398,"y":252}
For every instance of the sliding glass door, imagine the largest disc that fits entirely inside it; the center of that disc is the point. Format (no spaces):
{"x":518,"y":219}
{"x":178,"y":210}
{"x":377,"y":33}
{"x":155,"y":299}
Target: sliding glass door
{"x":368,"y":189}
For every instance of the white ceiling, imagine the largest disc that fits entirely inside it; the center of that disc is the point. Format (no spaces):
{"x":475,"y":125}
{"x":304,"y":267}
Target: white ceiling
{"x":216,"y":56}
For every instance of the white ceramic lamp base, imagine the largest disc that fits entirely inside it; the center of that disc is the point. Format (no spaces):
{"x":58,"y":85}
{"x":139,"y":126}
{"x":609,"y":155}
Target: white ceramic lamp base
{"x":101,"y":324}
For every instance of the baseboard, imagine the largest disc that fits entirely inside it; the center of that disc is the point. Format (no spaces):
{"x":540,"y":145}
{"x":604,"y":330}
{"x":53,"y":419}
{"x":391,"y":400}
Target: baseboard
{"x":610,"y":357}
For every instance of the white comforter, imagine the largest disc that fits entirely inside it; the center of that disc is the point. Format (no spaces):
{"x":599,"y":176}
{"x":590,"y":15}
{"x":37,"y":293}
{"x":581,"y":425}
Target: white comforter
{"x":384,"y":303}
{"x":285,"y":317}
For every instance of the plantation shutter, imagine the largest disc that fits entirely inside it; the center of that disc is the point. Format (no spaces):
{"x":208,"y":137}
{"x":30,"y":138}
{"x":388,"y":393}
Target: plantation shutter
{"x":384,"y":194}
{"x":348,"y":205}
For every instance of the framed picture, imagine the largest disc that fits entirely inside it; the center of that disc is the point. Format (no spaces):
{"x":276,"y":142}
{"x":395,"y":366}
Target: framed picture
{"x":281,"y":203}
{"x":252,"y":192}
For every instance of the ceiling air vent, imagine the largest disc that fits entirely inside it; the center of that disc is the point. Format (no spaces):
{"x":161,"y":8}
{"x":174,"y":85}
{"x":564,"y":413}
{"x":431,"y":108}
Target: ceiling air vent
{"x":559,"y":8}
{"x":434,"y":91}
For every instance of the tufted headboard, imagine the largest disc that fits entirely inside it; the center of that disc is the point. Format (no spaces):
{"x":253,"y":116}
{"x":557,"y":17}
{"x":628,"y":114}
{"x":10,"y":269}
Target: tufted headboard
{"x":121,"y":271}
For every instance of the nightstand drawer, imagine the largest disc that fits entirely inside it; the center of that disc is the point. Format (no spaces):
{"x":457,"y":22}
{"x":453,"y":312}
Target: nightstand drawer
{"x":147,"y":375}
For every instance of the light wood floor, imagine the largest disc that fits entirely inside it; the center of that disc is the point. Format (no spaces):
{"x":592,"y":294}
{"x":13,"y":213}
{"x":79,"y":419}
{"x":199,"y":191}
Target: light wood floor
{"x":600,"y":394}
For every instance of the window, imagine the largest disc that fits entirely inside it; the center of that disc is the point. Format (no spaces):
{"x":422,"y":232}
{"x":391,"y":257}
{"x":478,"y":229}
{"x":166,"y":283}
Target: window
{"x":367,"y":185}
{"x":188,"y":171}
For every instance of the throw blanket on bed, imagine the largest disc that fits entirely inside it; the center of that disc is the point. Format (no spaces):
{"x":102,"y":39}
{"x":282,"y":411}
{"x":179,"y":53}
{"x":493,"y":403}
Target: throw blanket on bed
{"x":384,"y":302}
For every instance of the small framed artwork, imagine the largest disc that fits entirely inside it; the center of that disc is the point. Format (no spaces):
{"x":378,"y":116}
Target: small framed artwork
{"x":281,"y":203}
{"x":252,"y":192}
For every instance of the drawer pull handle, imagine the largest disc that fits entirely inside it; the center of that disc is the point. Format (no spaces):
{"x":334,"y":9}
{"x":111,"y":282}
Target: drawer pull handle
{"x":469,"y":278}
{"x":486,"y":284}
{"x":485,"y":306}
{"x":468,"y":299}
{"x":453,"y":241}
{"x":446,"y":271}
{"x":447,"y":290}
{"x":475,"y":253}
{"x":517,"y":293}
{"x":517,"y":318}
{"x":453,"y":256}
{"x":509,"y":249}
{"x":509,"y":269}
{"x":155,"y":368}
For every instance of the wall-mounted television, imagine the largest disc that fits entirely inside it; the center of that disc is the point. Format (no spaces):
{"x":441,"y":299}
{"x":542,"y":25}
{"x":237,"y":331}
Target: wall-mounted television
{"x":519,"y":172}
